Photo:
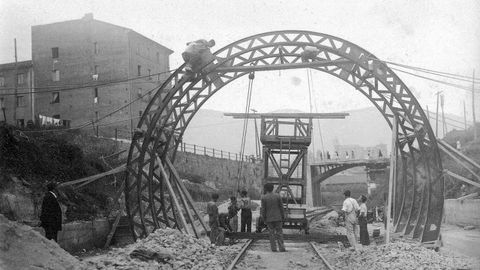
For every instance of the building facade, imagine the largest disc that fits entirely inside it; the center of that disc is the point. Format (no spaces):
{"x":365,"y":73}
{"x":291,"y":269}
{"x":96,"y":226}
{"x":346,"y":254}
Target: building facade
{"x":16,"y":93}
{"x":86,"y":69}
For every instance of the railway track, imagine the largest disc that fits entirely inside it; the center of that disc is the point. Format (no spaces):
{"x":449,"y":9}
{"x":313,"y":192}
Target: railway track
{"x":256,"y":254}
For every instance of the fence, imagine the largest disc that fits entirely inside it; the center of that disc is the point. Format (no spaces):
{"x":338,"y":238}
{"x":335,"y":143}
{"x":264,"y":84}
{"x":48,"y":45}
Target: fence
{"x":212,"y":152}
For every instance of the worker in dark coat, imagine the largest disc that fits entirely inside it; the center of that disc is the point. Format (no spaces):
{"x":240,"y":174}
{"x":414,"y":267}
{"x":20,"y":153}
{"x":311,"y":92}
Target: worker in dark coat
{"x":51,"y":215}
{"x":273,"y":215}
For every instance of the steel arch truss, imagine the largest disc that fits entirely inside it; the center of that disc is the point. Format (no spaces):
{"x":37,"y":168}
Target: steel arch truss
{"x":419,"y":195}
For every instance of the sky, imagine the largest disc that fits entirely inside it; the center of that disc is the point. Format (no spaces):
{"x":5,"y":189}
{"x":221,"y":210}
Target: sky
{"x":439,"y":35}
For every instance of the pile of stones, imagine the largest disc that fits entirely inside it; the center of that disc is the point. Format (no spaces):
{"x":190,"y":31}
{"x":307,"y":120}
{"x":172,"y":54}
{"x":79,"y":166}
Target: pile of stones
{"x":396,"y":255}
{"x":166,"y":249}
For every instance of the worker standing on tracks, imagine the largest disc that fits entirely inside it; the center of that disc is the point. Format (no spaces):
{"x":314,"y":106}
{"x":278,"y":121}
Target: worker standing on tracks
{"x":212,"y":211}
{"x":350,"y":208}
{"x":273,"y":215}
{"x":246,"y":214}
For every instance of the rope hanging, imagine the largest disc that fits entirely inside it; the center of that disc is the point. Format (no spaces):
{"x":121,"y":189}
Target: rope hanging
{"x":310,"y":91}
{"x":251,"y":76}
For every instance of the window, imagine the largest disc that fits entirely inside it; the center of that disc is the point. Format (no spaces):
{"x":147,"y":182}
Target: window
{"x":2,"y":81}
{"x":95,"y":48}
{"x":55,"y":97}
{"x":56,"y":75}
{"x":140,"y":113}
{"x":20,"y":78}
{"x":158,"y":57}
{"x":95,"y":71}
{"x":149,"y":73}
{"x":20,"y":101}
{"x":20,"y":122}
{"x":96,"y":116}
{"x":139,"y":70}
{"x":95,"y":95}
{"x":2,"y":103}
{"x":55,"y":52}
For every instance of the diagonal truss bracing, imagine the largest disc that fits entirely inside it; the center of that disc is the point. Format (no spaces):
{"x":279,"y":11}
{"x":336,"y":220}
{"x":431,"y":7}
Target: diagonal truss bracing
{"x":419,"y":200}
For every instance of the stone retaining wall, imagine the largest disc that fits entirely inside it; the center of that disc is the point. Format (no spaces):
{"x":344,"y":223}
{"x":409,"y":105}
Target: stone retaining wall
{"x":463,"y":212}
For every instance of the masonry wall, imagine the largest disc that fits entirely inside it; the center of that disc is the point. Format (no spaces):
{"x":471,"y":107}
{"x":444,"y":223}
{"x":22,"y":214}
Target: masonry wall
{"x":100,"y":57}
{"x":221,"y":174}
{"x":464,"y":212}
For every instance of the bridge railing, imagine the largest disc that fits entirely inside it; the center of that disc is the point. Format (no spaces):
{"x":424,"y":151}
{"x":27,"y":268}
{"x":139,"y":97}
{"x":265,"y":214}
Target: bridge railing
{"x":212,"y":152}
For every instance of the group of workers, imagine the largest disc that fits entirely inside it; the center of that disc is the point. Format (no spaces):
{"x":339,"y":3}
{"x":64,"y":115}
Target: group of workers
{"x":223,"y":223}
{"x":271,"y":216}
{"x":355,"y":214}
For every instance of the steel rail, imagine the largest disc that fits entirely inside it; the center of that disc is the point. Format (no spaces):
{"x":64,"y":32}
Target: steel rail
{"x":240,"y":254}
{"x":321,"y":256}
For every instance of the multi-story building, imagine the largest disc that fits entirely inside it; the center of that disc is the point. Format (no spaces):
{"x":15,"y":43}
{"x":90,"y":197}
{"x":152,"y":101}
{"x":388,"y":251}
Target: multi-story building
{"x":16,"y":91}
{"x":86,"y":68}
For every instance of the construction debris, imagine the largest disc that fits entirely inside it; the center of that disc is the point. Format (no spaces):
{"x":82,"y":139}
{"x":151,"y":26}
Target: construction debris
{"x":397,"y":255}
{"x":165,"y":249}
{"x":21,"y":247}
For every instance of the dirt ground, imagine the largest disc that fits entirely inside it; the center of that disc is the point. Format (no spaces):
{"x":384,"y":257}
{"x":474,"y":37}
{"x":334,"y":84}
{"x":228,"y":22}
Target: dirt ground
{"x":461,"y":242}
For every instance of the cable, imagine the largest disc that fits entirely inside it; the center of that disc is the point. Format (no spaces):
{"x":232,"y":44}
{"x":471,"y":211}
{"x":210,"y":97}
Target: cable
{"x":439,"y":73}
{"x":81,"y":86}
{"x":88,"y":123}
{"x":251,"y":77}
{"x":435,"y":80}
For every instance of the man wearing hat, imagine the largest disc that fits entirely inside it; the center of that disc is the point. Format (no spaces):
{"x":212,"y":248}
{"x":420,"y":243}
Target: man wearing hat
{"x":51,"y":215}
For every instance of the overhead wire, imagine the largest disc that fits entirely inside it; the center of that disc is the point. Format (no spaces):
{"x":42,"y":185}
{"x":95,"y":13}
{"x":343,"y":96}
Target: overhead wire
{"x":81,"y":86}
{"x":439,"y":73}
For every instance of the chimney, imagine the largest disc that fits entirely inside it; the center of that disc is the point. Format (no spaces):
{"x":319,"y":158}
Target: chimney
{"x":88,"y":17}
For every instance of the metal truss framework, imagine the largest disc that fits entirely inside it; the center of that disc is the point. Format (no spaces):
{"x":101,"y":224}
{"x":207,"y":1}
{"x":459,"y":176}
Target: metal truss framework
{"x":419,"y":189}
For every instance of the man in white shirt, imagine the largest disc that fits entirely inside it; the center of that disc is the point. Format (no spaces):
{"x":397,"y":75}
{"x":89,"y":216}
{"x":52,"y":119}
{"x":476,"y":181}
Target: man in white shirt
{"x":350,"y":208}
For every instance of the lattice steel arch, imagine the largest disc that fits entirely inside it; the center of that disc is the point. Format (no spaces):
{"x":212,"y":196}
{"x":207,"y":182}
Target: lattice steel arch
{"x":419,"y":196}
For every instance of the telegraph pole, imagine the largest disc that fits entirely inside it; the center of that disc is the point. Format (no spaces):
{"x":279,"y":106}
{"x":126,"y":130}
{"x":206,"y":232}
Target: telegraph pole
{"x":443,"y":116}
{"x":473,"y":107}
{"x":436,"y":115}
{"x":15,"y":83}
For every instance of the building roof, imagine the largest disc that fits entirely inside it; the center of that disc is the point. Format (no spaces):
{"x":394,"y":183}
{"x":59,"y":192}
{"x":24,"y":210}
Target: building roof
{"x":89,"y":17}
{"x":20,"y":65}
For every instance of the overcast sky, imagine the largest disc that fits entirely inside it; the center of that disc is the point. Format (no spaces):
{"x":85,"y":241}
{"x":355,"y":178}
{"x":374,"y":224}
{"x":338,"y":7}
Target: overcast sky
{"x":439,"y":35}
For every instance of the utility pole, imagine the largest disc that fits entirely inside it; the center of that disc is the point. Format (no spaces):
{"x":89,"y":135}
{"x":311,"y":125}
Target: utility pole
{"x":465,"y":116}
{"x":436,"y":114}
{"x":428,"y":115}
{"x":473,"y":107}
{"x":391,"y":180}
{"x":443,"y":116}
{"x":15,"y":83}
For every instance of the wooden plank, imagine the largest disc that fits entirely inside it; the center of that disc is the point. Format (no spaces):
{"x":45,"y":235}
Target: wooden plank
{"x":92,"y":178}
{"x":113,"y":229}
{"x":340,"y":115}
{"x":172,"y":195}
{"x":461,"y":178}
{"x":189,"y":197}
{"x":316,"y":237}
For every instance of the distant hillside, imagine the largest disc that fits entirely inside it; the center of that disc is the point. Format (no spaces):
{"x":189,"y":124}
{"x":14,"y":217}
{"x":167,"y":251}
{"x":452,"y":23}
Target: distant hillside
{"x":364,"y":127}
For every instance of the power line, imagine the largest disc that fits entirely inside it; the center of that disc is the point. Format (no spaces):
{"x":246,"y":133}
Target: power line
{"x":435,"y":72}
{"x":83,"y":86}
{"x":435,"y":80}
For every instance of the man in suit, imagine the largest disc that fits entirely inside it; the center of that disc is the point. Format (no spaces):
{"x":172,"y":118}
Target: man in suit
{"x":51,"y":215}
{"x":273,"y":215}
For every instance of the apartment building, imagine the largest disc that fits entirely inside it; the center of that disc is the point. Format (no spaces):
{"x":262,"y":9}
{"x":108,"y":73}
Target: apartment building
{"x":85,"y":69}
